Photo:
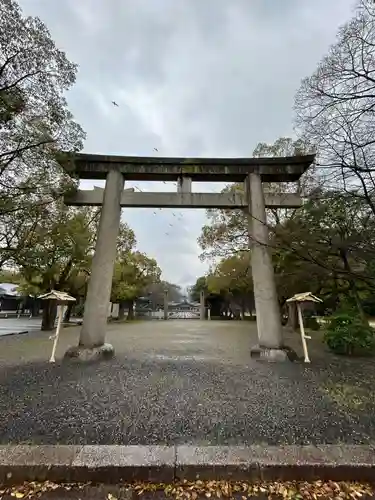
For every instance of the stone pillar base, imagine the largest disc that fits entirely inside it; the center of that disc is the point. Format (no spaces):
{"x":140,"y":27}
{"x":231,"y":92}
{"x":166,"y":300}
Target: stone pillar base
{"x":273,"y":355}
{"x":89,"y":354}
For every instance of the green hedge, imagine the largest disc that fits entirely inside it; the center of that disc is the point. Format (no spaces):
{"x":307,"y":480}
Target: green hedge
{"x":311,"y":323}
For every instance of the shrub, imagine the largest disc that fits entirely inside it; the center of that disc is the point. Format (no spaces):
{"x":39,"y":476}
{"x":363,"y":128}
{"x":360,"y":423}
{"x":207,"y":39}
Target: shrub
{"x":78,"y":310}
{"x":349,"y":335}
{"x":311,"y":323}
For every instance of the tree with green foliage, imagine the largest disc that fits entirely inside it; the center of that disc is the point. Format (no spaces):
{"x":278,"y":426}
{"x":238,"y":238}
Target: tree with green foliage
{"x":57,"y":251}
{"x":133,"y":273}
{"x":57,"y":254}
{"x":199,"y":286}
{"x":329,"y":245}
{"x":35,"y":124}
{"x":10,"y":276}
{"x":231,"y":279}
{"x":155,"y":293}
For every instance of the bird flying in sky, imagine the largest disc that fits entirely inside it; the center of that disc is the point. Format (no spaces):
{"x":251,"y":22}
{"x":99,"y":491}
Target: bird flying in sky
{"x":155,"y":149}
{"x":115,"y":103}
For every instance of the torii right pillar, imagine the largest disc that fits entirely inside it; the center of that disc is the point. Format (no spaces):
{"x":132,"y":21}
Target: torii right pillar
{"x":270,"y":338}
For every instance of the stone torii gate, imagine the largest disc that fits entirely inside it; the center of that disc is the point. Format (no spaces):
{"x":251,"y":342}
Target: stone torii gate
{"x":115,"y":170}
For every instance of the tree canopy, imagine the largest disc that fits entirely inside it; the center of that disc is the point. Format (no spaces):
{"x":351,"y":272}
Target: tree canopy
{"x":334,"y":108}
{"x":44,"y":243}
{"x":35,"y":124}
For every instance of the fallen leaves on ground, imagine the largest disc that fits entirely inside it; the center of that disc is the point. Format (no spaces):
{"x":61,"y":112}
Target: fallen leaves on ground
{"x":293,"y":490}
{"x":32,"y":489}
{"x":194,"y":490}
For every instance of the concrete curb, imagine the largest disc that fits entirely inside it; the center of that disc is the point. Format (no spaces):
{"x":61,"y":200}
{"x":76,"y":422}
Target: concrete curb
{"x":162,"y":464}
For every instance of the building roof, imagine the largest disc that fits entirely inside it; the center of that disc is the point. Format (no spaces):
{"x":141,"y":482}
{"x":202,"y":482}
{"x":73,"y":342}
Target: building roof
{"x":10,"y":289}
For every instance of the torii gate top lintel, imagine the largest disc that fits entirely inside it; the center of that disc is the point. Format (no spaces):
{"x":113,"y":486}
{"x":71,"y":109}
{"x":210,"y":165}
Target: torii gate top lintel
{"x":138,"y":168}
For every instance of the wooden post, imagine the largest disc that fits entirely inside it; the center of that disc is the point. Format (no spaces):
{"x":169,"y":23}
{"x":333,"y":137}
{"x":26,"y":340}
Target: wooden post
{"x":61,"y":310}
{"x":303,"y":337}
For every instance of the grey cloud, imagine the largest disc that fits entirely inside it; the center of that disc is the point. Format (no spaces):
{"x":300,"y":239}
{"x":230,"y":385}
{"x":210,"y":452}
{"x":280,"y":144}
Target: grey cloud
{"x":192,"y":78}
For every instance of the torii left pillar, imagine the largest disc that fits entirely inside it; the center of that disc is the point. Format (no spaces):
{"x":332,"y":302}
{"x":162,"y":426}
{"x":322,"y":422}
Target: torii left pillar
{"x":166,"y":300}
{"x":92,"y":338}
{"x":202,"y":309}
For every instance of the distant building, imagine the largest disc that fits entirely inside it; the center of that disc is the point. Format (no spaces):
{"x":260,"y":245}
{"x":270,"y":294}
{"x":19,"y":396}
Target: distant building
{"x":10,"y":298}
{"x":185,"y":305}
{"x":13,"y":301}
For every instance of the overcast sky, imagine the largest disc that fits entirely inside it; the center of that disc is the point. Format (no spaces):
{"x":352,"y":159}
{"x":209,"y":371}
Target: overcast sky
{"x":192,"y":78}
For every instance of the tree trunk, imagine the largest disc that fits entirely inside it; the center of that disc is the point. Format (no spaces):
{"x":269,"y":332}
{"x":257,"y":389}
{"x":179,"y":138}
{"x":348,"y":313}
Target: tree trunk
{"x":68,"y":312}
{"x":292,"y":316}
{"x":121,"y":310}
{"x":34,"y":307}
{"x":130,"y":310}
{"x":49,"y":315}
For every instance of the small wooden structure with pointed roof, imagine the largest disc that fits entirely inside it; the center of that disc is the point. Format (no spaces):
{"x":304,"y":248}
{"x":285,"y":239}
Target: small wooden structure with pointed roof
{"x":304,"y":297}
{"x":61,"y":298}
{"x":300,"y":298}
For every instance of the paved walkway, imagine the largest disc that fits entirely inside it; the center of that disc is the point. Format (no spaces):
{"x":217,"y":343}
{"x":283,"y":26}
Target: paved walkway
{"x":13,"y":325}
{"x":184,"y":315}
{"x":178,"y":382}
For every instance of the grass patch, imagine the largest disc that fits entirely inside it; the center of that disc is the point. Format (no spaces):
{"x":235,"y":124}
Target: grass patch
{"x":353,"y":397}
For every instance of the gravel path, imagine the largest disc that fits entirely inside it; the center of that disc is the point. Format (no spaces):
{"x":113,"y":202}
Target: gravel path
{"x":181,"y":382}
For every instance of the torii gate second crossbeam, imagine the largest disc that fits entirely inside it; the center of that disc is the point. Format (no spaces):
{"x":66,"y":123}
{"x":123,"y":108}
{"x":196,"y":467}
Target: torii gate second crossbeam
{"x":117,"y":169}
